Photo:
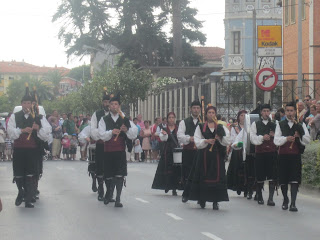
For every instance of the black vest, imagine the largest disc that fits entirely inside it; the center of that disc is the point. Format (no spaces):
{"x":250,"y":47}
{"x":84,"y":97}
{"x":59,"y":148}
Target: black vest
{"x":190,"y":126}
{"x":99,"y":114}
{"x":21,"y":121}
{"x":263,"y":129}
{"x":287,"y":131}
{"x":110,"y":124}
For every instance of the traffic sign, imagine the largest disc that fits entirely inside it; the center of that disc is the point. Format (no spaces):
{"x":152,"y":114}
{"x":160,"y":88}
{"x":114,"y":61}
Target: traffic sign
{"x":266,"y":79}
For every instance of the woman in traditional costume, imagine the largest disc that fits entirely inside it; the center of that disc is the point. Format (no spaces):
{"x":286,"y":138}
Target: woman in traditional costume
{"x":208,"y":174}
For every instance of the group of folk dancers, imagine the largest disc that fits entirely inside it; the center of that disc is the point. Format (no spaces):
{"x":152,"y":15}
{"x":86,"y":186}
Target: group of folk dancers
{"x":274,"y":153}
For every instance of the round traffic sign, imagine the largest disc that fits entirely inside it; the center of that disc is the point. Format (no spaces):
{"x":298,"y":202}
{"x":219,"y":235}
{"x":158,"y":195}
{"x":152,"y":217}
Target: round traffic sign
{"x":266,"y":79}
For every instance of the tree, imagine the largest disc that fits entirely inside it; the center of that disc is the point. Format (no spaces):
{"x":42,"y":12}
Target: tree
{"x":54,"y":77}
{"x":135,"y":27}
{"x":81,"y":73}
{"x":16,"y":89}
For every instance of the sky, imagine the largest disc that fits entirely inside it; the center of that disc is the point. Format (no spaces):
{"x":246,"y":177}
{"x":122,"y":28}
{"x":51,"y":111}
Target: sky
{"x":28,"y":34}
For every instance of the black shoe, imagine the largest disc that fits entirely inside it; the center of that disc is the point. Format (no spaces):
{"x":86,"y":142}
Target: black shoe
{"x":271,"y":203}
{"x":19,"y":199}
{"x":166,"y":191}
{"x":94,"y":187}
{"x":238,"y":192}
{"x":29,"y":205}
{"x":100,"y":198}
{"x":285,"y":205}
{"x":261,"y":202}
{"x":249,"y":196}
{"x":174,"y":193}
{"x":215,"y":206}
{"x":245,"y":194}
{"x":118,"y":204}
{"x":202,"y":204}
{"x":184,"y":199}
{"x":293,"y":208}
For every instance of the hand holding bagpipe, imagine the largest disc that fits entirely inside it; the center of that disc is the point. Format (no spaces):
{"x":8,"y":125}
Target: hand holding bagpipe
{"x":123,"y":127}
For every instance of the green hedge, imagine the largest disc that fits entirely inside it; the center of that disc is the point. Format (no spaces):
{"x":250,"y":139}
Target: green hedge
{"x":311,"y":164}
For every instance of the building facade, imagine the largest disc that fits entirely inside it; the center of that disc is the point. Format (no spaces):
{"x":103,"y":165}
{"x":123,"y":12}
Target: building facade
{"x":310,"y":44}
{"x":238,"y":58}
{"x":10,"y":71}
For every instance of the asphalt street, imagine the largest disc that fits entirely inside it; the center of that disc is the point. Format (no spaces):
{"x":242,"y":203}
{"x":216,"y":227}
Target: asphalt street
{"x":68,"y":209}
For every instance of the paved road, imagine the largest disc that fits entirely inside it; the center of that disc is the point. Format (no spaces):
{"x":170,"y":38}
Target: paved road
{"x":67,"y":209}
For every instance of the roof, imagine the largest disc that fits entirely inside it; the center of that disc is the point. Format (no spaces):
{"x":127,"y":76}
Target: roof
{"x":210,"y":53}
{"x":14,"y":67}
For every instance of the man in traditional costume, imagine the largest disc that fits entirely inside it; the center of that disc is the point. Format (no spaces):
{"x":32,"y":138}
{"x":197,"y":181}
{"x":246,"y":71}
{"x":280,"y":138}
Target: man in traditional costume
{"x":262,"y":136}
{"x":95,"y":167}
{"x":28,"y":129}
{"x":114,"y":129}
{"x":185,"y":135}
{"x":291,"y":137}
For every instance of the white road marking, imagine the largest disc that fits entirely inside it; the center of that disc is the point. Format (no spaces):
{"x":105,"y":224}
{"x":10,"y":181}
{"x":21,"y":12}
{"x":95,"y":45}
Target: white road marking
{"x":141,"y":200}
{"x":210,"y":235}
{"x":66,"y":168}
{"x":175,"y":217}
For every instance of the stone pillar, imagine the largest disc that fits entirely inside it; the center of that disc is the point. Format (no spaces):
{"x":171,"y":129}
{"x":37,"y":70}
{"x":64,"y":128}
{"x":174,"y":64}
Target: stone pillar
{"x":157,"y":105}
{"x":152,"y":107}
{"x":160,"y":108}
{"x":192,"y":93}
{"x":165,"y":102}
{"x":186,"y":110}
{"x":170,"y":101}
{"x":175,"y":99}
{"x":213,"y":89}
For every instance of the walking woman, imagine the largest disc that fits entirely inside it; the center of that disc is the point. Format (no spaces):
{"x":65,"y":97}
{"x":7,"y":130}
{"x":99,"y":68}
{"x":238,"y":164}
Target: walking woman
{"x":168,"y":175}
{"x":208,"y":173}
{"x":236,"y":170}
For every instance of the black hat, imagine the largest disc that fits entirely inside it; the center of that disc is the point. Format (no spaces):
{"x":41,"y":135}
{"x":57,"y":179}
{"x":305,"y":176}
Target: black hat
{"x":27,"y":96}
{"x":105,"y":95}
{"x":195,"y":103}
{"x":115,"y":98}
{"x":263,"y":106}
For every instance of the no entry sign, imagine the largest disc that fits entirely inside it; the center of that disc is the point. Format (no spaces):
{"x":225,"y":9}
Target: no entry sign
{"x":266,"y":79}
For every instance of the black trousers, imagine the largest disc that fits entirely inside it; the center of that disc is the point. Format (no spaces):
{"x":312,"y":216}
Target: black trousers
{"x":25,"y":162}
{"x":265,"y":165}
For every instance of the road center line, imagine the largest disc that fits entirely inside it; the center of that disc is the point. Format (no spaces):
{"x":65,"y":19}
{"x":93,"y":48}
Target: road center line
{"x":175,"y":217}
{"x":210,"y":235}
{"x":141,"y":200}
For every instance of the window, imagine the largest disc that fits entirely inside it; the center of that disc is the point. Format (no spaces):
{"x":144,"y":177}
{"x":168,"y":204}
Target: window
{"x":11,"y":78}
{"x":293,"y":11}
{"x":236,"y":1}
{"x":286,"y":12}
{"x":250,"y":0}
{"x":236,"y":42}
{"x":265,"y":0}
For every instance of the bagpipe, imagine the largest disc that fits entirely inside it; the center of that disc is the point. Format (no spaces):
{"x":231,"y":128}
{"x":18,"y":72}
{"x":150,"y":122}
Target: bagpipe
{"x":34,"y":112}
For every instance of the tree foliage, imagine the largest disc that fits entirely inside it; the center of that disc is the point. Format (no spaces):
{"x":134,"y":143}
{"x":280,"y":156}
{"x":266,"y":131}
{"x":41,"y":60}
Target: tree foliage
{"x":135,"y":27}
{"x":81,"y":73}
{"x":130,"y":82}
{"x":16,"y":89}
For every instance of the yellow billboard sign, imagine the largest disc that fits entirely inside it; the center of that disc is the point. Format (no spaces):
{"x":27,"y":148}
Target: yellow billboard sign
{"x":269,"y":36}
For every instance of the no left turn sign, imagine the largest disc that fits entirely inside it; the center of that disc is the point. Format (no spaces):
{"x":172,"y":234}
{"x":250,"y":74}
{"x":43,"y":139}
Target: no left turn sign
{"x":266,"y":79}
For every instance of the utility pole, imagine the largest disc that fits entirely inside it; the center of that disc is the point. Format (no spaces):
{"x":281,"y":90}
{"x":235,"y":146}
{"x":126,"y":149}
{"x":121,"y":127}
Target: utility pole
{"x":300,"y":50}
{"x":177,"y":33}
{"x":254,"y":54}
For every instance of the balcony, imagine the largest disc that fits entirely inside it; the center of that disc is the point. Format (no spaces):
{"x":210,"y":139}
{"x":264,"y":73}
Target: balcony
{"x":232,"y":62}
